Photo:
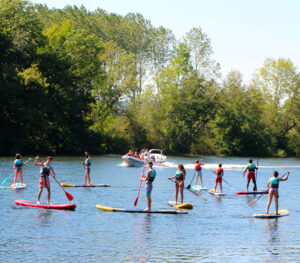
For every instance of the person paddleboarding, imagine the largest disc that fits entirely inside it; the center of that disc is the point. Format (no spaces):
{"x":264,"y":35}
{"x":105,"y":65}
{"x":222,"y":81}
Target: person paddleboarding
{"x":18,"y":164}
{"x":251,"y":174}
{"x":179,"y":177}
{"x":273,"y":185}
{"x":87,"y":163}
{"x":219,"y":172}
{"x":149,"y":178}
{"x":199,"y":172}
{"x":44,"y":182}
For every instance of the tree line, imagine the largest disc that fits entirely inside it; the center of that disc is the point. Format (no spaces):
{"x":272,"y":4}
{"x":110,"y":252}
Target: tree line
{"x":73,"y":80}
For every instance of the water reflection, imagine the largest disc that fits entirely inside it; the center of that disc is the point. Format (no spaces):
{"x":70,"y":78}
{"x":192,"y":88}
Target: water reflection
{"x":43,"y":217}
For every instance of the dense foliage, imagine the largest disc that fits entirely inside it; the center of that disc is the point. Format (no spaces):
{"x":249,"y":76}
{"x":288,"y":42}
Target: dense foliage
{"x":73,"y":80}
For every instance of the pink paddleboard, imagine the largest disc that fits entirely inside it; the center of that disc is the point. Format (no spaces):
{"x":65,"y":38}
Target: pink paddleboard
{"x":45,"y":206}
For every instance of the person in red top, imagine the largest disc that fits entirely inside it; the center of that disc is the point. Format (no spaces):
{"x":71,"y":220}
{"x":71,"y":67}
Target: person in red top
{"x":219,"y":174}
{"x":198,"y":172}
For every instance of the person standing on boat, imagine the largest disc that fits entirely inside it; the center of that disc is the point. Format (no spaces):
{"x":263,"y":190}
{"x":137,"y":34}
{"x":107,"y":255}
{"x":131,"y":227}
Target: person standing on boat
{"x":46,"y":169}
{"x":251,"y":174}
{"x":149,"y":178}
{"x":146,"y":155}
{"x":180,"y":177}
{"x":198,"y":171}
{"x":273,"y":185}
{"x":18,"y":164}
{"x":219,"y":172}
{"x":87,"y":163}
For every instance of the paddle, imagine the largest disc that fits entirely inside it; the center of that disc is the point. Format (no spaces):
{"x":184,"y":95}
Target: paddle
{"x":69,"y":196}
{"x":227,"y":183}
{"x":137,"y":199}
{"x":256,"y":171}
{"x":253,"y":202}
{"x":189,"y":186}
{"x":6,"y":179}
{"x":198,"y":194}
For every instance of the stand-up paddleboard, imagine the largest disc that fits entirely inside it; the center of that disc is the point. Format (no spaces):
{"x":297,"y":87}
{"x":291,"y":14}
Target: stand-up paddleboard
{"x":122,"y":210}
{"x":45,"y":206}
{"x":180,"y":206}
{"x":18,"y":186}
{"x":198,"y":187}
{"x":216,"y":193}
{"x":82,"y":185}
{"x":283,"y":212}
{"x":252,"y":193}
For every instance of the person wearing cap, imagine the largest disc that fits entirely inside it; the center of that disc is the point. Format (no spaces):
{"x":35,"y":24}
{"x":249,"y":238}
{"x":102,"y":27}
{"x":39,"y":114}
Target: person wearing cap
{"x":149,"y":178}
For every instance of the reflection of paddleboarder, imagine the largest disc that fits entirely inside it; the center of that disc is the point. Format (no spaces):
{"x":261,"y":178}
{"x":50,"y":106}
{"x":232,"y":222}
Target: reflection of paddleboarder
{"x":273,"y":185}
{"x":149,"y":178}
{"x":251,"y":174}
{"x":180,"y":177}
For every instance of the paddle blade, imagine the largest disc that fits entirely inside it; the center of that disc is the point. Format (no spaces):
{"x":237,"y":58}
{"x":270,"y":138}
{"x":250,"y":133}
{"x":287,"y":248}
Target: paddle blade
{"x":4,"y":181}
{"x":69,"y":196}
{"x":252,"y":202}
{"x":188,"y":187}
{"x":136,"y":201}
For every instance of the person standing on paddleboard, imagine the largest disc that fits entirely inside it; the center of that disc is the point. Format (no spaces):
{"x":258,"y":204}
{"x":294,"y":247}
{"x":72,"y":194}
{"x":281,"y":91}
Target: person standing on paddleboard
{"x":87,"y":163}
{"x":198,"y":172}
{"x":46,"y":169}
{"x":219,"y":172}
{"x":251,"y":174}
{"x":273,"y":185}
{"x":149,"y":178}
{"x":180,"y":177}
{"x":18,"y":164}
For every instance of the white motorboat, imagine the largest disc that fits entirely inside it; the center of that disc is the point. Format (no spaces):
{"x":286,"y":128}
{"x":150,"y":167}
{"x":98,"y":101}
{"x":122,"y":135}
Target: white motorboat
{"x":156,"y":156}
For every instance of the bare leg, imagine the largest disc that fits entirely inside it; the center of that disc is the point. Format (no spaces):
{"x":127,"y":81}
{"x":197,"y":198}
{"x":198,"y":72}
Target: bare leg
{"x":216,"y":186}
{"x":48,"y":196}
{"x":39,"y":195}
{"x":181,"y":191}
{"x":148,"y":203}
{"x":176,"y":193}
{"x":220,"y":187}
{"x":269,"y":201}
{"x":276,"y":202}
{"x":247,"y":185}
{"x":201,"y":180}
{"x":85,"y":177}
{"x":196,"y":179}
{"x":16,"y":176}
{"x":21,"y":178}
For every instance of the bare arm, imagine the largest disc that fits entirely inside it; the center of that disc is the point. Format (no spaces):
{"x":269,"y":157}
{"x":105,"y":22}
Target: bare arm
{"x":285,"y":178}
{"x":245,"y":171}
{"x":268,"y":184}
{"x":52,"y":170}
{"x":38,"y":162}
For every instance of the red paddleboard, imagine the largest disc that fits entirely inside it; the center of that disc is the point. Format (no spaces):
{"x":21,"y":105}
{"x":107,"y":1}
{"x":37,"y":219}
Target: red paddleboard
{"x":18,"y":186}
{"x":252,"y":193}
{"x":45,"y":206}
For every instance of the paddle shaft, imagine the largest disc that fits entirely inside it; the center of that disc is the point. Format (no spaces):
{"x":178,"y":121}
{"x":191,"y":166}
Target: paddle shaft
{"x":226,"y":182}
{"x":137,"y":199}
{"x":203,"y":198}
{"x":69,"y":196}
{"x":189,"y":186}
{"x":6,"y":179}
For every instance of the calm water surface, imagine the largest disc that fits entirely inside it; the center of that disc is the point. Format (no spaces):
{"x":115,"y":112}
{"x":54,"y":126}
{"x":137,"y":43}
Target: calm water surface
{"x":219,"y":230}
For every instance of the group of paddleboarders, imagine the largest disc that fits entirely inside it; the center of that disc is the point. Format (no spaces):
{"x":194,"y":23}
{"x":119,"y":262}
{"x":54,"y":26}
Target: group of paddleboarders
{"x":46,"y":169}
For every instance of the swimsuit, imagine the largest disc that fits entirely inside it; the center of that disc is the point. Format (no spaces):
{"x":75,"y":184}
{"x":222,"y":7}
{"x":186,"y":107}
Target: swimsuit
{"x":18,"y":164}
{"x":44,"y":178}
{"x":274,"y":185}
{"x":179,"y":175}
{"x":198,"y":168}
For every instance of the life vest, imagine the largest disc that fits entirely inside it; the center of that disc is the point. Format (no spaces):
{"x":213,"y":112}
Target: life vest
{"x":251,"y":167}
{"x":151,"y":176}
{"x":274,"y":183}
{"x":18,"y":163}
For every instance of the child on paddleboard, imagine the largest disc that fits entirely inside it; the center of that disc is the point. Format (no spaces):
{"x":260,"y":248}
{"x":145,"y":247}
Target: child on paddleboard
{"x":87,"y":163}
{"x":180,"y":177}
{"x":46,"y":169}
{"x":251,"y":174}
{"x":219,"y":172}
{"x":198,"y":171}
{"x":273,"y":185}
{"x":149,"y":178}
{"x":18,"y":164}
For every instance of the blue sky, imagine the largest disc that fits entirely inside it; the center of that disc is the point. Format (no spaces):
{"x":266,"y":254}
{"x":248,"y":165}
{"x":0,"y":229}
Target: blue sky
{"x":243,"y":32}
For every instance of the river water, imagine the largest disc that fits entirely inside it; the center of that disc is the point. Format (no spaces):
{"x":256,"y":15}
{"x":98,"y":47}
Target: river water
{"x":219,"y":230}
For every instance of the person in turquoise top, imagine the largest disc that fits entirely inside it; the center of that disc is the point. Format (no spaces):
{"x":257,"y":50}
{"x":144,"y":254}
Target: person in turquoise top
{"x":149,"y":178}
{"x":18,"y":164}
{"x":87,"y":163}
{"x":273,"y":185}
{"x":251,"y":174}
{"x":179,"y":177}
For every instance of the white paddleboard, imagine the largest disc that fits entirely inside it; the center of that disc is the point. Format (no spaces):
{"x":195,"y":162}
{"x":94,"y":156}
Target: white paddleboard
{"x":216,"y":193}
{"x":283,"y":212}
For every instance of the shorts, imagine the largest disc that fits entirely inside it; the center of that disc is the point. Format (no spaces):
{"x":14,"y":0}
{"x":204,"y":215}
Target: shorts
{"x":198,"y":173}
{"x":198,"y":170}
{"x":273,"y":190}
{"x":251,"y":175}
{"x":88,"y":170}
{"x":44,"y":182}
{"x":18,"y":169}
{"x":148,"y":188}
{"x":218,"y":180}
